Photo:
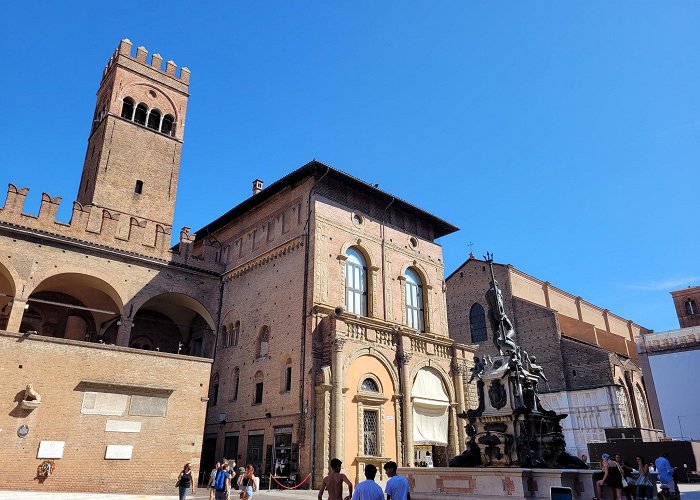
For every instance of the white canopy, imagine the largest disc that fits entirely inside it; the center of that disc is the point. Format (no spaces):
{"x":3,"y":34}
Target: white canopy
{"x":430,"y":405}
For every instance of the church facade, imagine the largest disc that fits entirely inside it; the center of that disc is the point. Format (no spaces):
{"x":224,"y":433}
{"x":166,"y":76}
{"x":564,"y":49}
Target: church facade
{"x":308,"y":322}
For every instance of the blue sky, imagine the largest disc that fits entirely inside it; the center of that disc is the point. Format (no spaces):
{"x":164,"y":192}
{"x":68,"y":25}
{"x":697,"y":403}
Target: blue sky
{"x":561,"y":136}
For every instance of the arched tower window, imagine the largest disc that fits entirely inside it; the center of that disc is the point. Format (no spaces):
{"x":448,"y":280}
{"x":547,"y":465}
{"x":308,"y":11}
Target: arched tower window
{"x":690,"y":307}
{"x":167,"y":126}
{"x":355,"y":282}
{"x":477,"y":323}
{"x":128,"y":108}
{"x":414,"y":301}
{"x":225,"y":336}
{"x":263,"y":342}
{"x":236,"y":333}
{"x":154,"y":119}
{"x":141,"y":114}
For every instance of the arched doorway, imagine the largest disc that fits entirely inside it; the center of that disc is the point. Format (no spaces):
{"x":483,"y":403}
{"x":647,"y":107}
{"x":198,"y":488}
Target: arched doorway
{"x":7,"y":293}
{"x":175,"y":323}
{"x":73,"y":306}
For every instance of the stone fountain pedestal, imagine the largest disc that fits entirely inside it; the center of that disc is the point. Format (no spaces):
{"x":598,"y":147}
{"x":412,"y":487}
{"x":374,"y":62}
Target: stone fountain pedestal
{"x":495,"y":482}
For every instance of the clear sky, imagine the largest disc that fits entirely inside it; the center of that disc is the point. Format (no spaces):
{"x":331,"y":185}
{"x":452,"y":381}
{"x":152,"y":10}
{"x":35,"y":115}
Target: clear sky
{"x":561,"y":136}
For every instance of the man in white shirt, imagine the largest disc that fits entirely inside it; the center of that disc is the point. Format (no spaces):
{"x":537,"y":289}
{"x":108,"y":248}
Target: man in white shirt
{"x":396,"y":486}
{"x":368,"y":489}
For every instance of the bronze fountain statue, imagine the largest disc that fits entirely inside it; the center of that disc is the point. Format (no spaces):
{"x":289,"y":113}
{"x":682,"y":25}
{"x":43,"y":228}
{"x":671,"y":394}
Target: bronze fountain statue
{"x":510,"y":427}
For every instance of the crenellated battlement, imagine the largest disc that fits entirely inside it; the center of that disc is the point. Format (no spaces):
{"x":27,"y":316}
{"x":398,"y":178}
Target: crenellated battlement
{"x":141,"y":56}
{"x":107,"y":228}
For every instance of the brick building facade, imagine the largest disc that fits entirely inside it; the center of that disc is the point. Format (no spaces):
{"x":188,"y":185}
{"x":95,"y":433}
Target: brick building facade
{"x":320,"y":301}
{"x":686,"y":302}
{"x":589,"y":354}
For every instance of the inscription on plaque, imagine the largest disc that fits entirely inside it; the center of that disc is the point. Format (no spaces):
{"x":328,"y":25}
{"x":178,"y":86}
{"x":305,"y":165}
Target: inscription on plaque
{"x":50,"y":449}
{"x":123,"y":426}
{"x":148,"y":406}
{"x":104,"y":403}
{"x":118,"y":452}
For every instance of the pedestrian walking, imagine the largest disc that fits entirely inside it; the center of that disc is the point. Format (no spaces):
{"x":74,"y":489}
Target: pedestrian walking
{"x":397,"y":486}
{"x":249,"y":483}
{"x":185,"y":483}
{"x":333,"y":483}
{"x":222,"y":484}
{"x":612,"y":477}
{"x":368,"y":489}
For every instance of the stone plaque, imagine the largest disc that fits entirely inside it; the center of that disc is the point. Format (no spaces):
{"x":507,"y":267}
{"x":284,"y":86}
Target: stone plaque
{"x":50,"y":449}
{"x":123,"y":426}
{"x":104,"y":403}
{"x":118,"y":452}
{"x":148,"y":406}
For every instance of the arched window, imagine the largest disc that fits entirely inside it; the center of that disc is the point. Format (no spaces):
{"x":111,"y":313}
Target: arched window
{"x":236,"y":382}
{"x":369,"y":385}
{"x":167,"y":126}
{"x":263,"y":342}
{"x":477,"y":323}
{"x":128,"y":108}
{"x":414,"y":301}
{"x":287,"y":376}
{"x":355,"y":282}
{"x":258,"y":394}
{"x":154,"y":119}
{"x":141,"y":114}
{"x":690,"y":307}
{"x":236,"y":333}
{"x":214,"y":393}
{"x":225,"y":336}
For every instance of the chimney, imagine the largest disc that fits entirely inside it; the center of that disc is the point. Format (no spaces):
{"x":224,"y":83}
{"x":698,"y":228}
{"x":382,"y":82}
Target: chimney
{"x":257,"y":186}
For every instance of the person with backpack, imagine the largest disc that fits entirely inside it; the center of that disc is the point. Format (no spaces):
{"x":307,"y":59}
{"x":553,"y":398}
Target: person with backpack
{"x":222,"y":483}
{"x":212,"y":479}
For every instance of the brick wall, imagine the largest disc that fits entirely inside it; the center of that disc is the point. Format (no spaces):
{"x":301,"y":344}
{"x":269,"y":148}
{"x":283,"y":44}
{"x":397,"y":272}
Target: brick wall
{"x":59,"y":370}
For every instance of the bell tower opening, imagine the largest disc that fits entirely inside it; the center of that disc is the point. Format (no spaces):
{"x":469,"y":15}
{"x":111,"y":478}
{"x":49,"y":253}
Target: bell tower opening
{"x":136,"y":136}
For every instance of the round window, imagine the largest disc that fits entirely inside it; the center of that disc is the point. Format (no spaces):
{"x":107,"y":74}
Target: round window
{"x":413,"y":241}
{"x":357,"y":219}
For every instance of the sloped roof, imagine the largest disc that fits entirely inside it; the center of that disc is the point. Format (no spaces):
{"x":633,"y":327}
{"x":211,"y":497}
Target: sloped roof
{"x":314,"y":167}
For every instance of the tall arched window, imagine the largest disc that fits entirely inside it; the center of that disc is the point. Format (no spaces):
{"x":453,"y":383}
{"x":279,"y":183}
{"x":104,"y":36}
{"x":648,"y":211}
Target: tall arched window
{"x":355,"y":282}
{"x":236,"y":333}
{"x":167,"y":126}
{"x":263,"y":342}
{"x":141,"y":114}
{"x":128,"y":108}
{"x":258,"y":394}
{"x":414,"y":300}
{"x":214,"y":394}
{"x":154,"y":119}
{"x":477,"y":323}
{"x":642,"y":408}
{"x":287,"y":376}
{"x":690,"y":307}
{"x":236,"y":382}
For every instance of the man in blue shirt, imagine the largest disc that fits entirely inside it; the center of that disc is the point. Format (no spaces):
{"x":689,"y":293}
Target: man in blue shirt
{"x":368,"y":489}
{"x":663,"y":467}
{"x":397,"y":486}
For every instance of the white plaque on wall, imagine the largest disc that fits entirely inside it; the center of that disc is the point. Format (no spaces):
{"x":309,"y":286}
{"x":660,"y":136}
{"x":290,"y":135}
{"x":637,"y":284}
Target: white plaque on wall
{"x":50,"y":449}
{"x":104,"y":403}
{"x":118,"y":452}
{"x":123,"y":426}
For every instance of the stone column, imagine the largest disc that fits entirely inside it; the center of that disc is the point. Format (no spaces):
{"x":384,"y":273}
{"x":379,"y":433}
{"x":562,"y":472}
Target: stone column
{"x":323,"y":431}
{"x":337,"y":397}
{"x":453,"y":433}
{"x":16,"y":314}
{"x":124,"y":332}
{"x":459,"y":370}
{"x":407,"y":410}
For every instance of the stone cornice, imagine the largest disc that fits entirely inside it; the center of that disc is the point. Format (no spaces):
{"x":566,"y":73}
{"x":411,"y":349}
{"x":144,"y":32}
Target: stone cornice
{"x":262,"y":259}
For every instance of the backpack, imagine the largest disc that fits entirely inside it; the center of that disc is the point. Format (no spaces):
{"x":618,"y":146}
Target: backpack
{"x":220,"y":481}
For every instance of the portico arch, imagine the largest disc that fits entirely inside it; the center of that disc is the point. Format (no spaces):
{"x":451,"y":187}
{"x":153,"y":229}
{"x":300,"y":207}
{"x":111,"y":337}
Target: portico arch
{"x":173,"y":322}
{"x":7,"y":294}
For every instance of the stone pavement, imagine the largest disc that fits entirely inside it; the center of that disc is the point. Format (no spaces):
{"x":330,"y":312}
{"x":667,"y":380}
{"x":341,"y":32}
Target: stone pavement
{"x":688,"y":492}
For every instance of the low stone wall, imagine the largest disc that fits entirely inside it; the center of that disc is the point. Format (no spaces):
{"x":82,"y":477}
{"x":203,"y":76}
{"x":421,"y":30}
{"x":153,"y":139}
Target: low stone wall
{"x":496,"y":482}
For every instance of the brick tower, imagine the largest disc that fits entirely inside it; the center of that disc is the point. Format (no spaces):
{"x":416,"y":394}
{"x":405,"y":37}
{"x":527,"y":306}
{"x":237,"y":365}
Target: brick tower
{"x":132,"y":160}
